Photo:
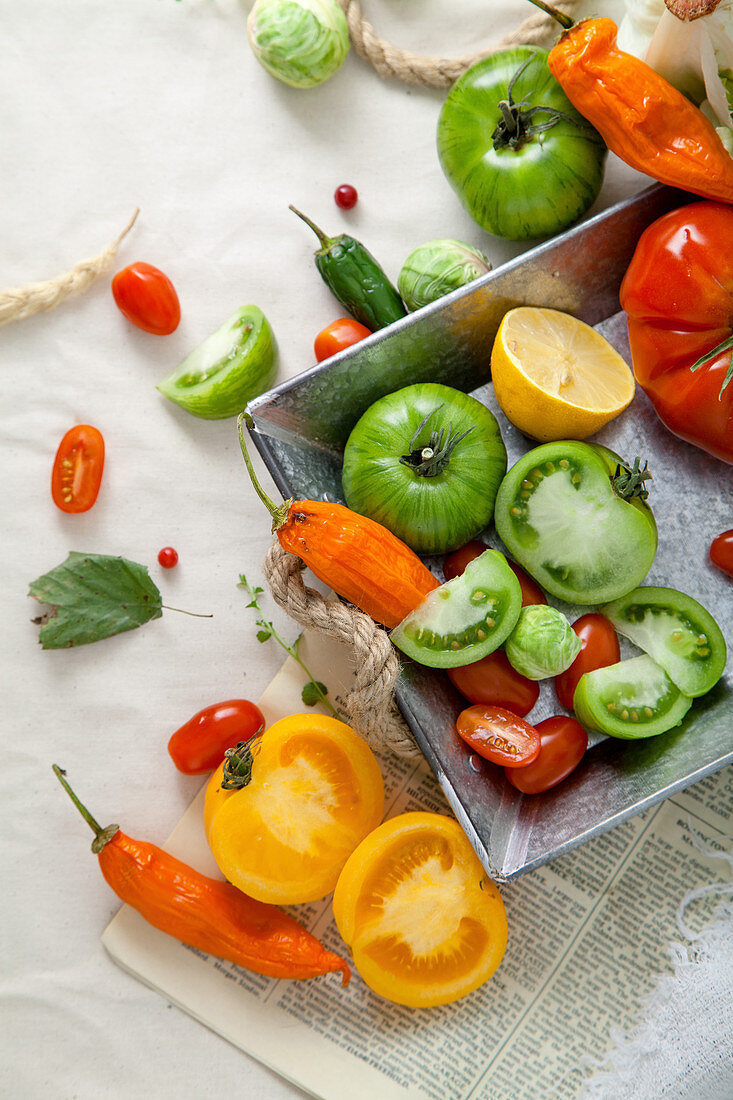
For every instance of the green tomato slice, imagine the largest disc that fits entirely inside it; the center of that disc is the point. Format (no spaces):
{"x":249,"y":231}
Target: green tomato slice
{"x":630,"y":700}
{"x":676,"y":631}
{"x":558,"y":514}
{"x":230,"y":367}
{"x":466,"y":618}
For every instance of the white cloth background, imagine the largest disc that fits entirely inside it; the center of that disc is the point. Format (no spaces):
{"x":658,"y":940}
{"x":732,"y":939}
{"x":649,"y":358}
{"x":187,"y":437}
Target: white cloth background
{"x":161,"y":105}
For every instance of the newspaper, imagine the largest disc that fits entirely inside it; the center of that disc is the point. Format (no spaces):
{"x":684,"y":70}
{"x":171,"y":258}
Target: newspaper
{"x":588,"y":937}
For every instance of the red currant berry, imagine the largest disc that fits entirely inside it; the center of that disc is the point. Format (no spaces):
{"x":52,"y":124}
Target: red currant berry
{"x":345,"y":196}
{"x":168,"y":557}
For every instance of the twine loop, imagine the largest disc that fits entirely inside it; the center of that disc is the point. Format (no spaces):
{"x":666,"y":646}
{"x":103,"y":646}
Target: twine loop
{"x":439,"y":72}
{"x":370,"y":704}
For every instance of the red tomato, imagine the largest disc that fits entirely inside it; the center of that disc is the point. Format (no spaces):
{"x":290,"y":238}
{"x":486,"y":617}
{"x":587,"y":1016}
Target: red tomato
{"x":498,"y":735}
{"x":147,"y":298}
{"x":493,"y":680}
{"x":199,"y":745}
{"x":340,"y":334}
{"x":455,"y":564}
{"x":721,"y":552}
{"x":563,"y":742}
{"x":77,"y":469}
{"x":599,"y":648}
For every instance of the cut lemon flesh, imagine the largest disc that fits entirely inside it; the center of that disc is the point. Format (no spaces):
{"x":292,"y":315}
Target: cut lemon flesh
{"x":556,"y":377}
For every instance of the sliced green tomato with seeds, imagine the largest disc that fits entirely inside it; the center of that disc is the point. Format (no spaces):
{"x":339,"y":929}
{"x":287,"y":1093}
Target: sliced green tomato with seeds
{"x":466,"y":618}
{"x":676,"y":631}
{"x":560,"y":517}
{"x":230,"y":367}
{"x":631,"y":699}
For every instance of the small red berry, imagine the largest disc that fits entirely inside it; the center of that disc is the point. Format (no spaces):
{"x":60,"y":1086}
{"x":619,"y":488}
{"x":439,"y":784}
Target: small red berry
{"x":345,"y":196}
{"x":168,"y":557}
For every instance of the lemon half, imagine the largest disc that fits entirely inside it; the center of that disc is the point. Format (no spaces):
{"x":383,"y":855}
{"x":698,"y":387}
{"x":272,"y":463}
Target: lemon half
{"x":556,"y":377}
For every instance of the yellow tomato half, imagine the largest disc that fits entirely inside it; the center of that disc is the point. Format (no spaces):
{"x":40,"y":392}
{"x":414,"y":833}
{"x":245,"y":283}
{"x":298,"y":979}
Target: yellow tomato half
{"x":316,"y":791}
{"x":424,"y":923}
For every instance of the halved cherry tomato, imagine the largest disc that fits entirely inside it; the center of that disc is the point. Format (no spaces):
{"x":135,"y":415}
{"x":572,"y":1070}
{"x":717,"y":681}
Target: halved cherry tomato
{"x":563,"y":742}
{"x":721,"y":552}
{"x":599,"y":648}
{"x":340,"y":334}
{"x":424,"y":922}
{"x":147,"y":298}
{"x":493,"y":680}
{"x":455,"y":564}
{"x":315,"y":792}
{"x":199,"y":745}
{"x":77,"y":469}
{"x":498,"y":735}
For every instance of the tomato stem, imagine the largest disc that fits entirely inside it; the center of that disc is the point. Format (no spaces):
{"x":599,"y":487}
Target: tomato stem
{"x":279,"y":512}
{"x":431,"y":458}
{"x":237,"y":769}
{"x":559,"y":16}
{"x":515,"y":125}
{"x":101,"y":836}
{"x":628,"y":481}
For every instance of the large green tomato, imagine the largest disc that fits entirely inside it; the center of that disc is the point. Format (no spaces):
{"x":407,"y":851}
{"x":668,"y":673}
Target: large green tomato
{"x":522,"y":160}
{"x":426,"y":462}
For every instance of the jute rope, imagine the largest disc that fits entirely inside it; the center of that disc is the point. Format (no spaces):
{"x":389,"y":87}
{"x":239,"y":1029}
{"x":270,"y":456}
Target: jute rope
{"x":439,"y":72}
{"x":370,"y":704}
{"x":20,"y":302}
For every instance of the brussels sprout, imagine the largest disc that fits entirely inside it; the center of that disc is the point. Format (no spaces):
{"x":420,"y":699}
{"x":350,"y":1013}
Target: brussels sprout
{"x":543,"y":643}
{"x":437,"y":267}
{"x":301,"y":42}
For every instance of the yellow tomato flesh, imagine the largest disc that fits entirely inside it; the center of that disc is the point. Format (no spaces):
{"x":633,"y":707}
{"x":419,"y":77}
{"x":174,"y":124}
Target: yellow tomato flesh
{"x":316,"y":791}
{"x":424,"y":923}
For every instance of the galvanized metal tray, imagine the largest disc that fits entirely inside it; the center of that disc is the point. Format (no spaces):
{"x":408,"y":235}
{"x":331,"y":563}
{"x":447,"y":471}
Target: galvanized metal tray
{"x":301,"y":428}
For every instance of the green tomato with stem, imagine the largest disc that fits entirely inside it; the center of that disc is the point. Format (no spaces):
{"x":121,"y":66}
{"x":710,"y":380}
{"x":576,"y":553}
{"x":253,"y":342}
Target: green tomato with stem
{"x":523,"y":161}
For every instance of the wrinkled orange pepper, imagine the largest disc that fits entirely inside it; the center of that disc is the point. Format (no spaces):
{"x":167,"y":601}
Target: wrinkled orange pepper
{"x":203,"y":912}
{"x":358,"y":558}
{"x":641,"y":117}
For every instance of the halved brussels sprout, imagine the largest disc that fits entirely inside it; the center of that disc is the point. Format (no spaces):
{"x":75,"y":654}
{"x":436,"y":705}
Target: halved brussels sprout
{"x":437,"y":267}
{"x":301,"y":42}
{"x":543,"y":643}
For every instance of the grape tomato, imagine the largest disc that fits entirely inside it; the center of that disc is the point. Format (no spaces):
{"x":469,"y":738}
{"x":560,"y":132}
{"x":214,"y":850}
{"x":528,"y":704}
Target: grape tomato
{"x":455,"y":564}
{"x":341,"y":333}
{"x":721,"y":552}
{"x":198,"y":746}
{"x":493,"y":680}
{"x":498,"y":735}
{"x":147,"y":298}
{"x":563,"y":743}
{"x":599,"y":648}
{"x":77,"y":469}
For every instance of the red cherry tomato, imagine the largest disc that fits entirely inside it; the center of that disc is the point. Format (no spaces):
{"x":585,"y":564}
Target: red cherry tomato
{"x":340,"y":334}
{"x":346,"y":196}
{"x":563,"y":742}
{"x":454,"y":565}
{"x":721,"y":552}
{"x":599,"y":648}
{"x":168,"y":557}
{"x":498,"y":735}
{"x":147,"y":298}
{"x":492,"y":680}
{"x":77,"y":469}
{"x":199,"y":745}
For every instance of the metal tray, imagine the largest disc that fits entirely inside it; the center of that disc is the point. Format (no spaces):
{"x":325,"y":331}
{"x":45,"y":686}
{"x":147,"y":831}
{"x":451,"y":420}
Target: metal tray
{"x":300,"y":430}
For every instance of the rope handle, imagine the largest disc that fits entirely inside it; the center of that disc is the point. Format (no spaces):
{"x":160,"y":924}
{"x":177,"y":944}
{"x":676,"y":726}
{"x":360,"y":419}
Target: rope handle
{"x":435,"y":72}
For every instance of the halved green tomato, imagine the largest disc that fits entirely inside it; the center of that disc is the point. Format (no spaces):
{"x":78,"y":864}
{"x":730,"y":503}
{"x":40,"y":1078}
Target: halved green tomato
{"x":426,"y":462}
{"x":631,"y":699}
{"x":233,"y":365}
{"x":465,"y":618}
{"x":676,"y":631}
{"x":574,"y":515}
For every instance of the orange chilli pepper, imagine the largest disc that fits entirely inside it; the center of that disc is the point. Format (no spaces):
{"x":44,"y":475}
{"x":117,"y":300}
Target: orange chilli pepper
{"x":642,"y":118}
{"x":203,"y":912}
{"x":359,"y":559}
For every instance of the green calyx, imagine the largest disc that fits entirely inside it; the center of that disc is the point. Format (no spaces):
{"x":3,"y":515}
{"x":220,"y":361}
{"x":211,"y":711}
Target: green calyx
{"x":516,"y":125}
{"x":237,"y":769}
{"x":431,"y":458}
{"x":628,"y":481}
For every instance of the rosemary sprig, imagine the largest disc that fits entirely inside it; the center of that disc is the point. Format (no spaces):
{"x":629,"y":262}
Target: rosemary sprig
{"x":314,"y":691}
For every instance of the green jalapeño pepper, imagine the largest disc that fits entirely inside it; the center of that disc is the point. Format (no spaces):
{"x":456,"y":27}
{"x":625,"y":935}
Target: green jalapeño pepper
{"x":355,"y":278}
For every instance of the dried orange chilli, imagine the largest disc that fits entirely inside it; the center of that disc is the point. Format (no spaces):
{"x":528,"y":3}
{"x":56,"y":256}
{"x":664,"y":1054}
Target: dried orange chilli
{"x":642,"y":118}
{"x":359,"y":559}
{"x":203,"y":912}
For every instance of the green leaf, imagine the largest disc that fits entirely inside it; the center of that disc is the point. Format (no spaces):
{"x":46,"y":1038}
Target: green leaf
{"x":93,"y":596}
{"x":313,"y":692}
{"x":263,"y":635}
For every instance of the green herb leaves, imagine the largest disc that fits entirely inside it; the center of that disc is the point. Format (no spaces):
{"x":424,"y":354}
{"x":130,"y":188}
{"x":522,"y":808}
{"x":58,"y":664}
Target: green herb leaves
{"x":93,"y":596}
